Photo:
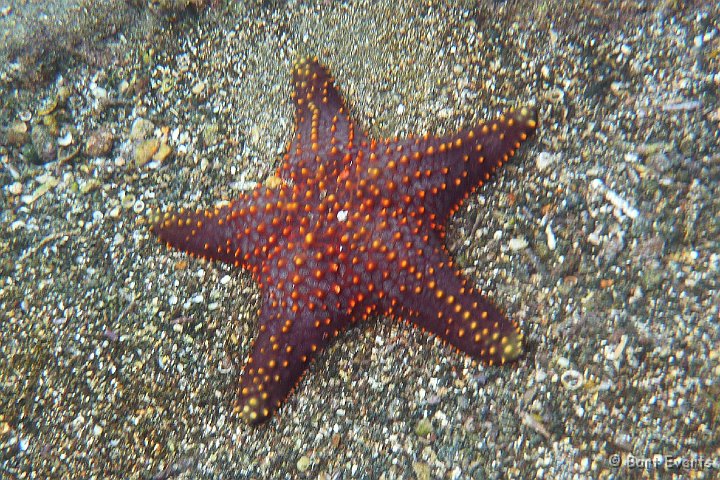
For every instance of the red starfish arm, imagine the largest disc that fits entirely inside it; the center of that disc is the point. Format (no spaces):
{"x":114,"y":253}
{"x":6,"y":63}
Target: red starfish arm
{"x":323,"y":130}
{"x":439,"y":173}
{"x":238,"y":233}
{"x":289,"y":339}
{"x":429,"y":292}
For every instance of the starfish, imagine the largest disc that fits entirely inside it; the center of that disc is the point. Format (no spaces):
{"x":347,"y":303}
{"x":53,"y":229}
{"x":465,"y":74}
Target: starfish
{"x":353,"y":227}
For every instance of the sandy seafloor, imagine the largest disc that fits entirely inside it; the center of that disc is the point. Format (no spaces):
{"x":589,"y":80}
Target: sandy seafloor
{"x":119,"y":358}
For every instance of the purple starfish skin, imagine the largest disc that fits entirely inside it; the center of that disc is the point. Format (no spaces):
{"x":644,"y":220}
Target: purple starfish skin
{"x":353,"y":227}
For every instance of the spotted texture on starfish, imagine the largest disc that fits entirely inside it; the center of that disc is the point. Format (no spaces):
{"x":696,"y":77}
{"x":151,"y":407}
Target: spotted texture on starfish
{"x":354,"y":227}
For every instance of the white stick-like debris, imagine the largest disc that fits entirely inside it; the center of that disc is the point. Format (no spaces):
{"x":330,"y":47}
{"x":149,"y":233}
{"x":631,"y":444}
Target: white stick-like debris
{"x":615,"y":200}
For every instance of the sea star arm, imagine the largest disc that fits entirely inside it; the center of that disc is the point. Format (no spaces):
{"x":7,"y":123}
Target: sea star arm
{"x":429,"y":292}
{"x":324,"y":133}
{"x":289,"y":339}
{"x":239,"y":233}
{"x":437,"y":174}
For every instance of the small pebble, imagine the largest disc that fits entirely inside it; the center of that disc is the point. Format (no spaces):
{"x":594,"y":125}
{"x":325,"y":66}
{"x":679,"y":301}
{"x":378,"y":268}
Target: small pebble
{"x":98,"y":92}
{"x":544,"y":160}
{"x":572,"y":379}
{"x":44,"y":143}
{"x":89,"y":185}
{"x":99,"y":143}
{"x":16,"y":188}
{"x":163,"y":152}
{"x":517,"y":243}
{"x":551,"y":240}
{"x":198,"y":88}
{"x":23,"y":444}
{"x":303,"y":463}
{"x":422,"y":470}
{"x":17,"y":135}
{"x":141,"y":129}
{"x":545,"y":71}
{"x":66,"y":140}
{"x":139,"y":206}
{"x":48,"y":107}
{"x":128,"y":201}
{"x":254,"y":135}
{"x":423,"y":428}
{"x":145,"y":151}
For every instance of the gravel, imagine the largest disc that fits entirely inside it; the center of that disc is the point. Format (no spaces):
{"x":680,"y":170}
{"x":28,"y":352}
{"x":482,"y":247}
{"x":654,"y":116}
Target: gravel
{"x":119,"y":358}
